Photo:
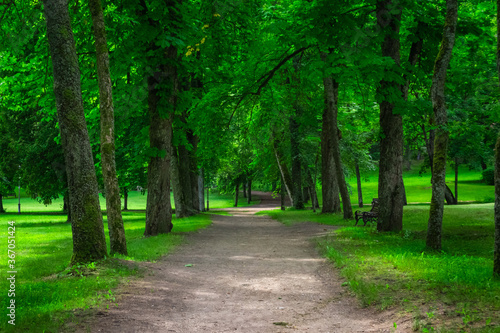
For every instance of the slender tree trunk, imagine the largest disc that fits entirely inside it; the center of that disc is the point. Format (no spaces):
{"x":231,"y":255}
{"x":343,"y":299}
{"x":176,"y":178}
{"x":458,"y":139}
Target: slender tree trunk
{"x":332,"y":96}
{"x":88,"y":232}
{"x":496,"y":256}
{"x":358,"y":180}
{"x":456,"y":181}
{"x":125,"y":199}
{"x":249,"y":196}
{"x":2,"y":210}
{"x":184,"y":163}
{"x":194,"y":172}
{"x":298,"y":200}
{"x":201,"y":192}
{"x":158,"y":208}
{"x":286,"y":179}
{"x":237,"y":193}
{"x":434,"y":228}
{"x":208,"y":199}
{"x":244,"y":189}
{"x":181,"y":207}
{"x":118,"y":243}
{"x":390,"y":191}
{"x":282,"y":194}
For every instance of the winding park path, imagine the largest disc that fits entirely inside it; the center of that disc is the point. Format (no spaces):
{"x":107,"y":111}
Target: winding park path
{"x":245,"y":273}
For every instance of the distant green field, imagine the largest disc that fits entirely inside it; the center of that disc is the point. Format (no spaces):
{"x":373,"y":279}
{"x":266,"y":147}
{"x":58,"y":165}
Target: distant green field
{"x":418,"y":187}
{"x":136,"y":201}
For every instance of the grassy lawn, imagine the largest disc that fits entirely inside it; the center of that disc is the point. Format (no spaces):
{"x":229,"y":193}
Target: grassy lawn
{"x":451,"y":291}
{"x":418,"y":187}
{"x":136,"y":201}
{"x":47,"y":292}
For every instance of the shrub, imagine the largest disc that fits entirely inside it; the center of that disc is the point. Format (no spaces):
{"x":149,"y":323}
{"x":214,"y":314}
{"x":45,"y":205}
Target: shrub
{"x":489,"y":176}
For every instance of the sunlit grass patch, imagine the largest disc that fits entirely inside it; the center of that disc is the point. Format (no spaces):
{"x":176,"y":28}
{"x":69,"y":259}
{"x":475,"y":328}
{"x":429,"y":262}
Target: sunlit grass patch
{"x":387,"y":269}
{"x":47,"y":291}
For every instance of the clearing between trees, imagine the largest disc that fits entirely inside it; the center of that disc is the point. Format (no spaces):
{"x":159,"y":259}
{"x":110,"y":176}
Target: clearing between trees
{"x":245,"y":273}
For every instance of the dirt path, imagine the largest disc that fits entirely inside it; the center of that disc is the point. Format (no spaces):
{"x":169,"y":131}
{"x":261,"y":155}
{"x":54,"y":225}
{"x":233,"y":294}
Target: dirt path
{"x":249,"y":274}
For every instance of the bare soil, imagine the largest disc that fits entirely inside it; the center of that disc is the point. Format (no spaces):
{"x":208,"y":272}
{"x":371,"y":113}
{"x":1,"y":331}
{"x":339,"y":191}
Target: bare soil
{"x":244,"y":273}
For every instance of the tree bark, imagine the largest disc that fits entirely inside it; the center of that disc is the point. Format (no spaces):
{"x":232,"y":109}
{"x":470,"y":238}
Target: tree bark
{"x":249,"y":196}
{"x":332,"y":95}
{"x":237,"y":193}
{"x":282,"y":194}
{"x":181,"y":207}
{"x":456,"y":181}
{"x":390,"y":191}
{"x":2,"y":210}
{"x":193,"y":172}
{"x":330,"y":184}
{"x":67,"y":207}
{"x":118,"y":243}
{"x":434,"y":228}
{"x":125,"y":199}
{"x":201,"y":192}
{"x":244,"y":189}
{"x":298,"y":200}
{"x":358,"y":180}
{"x":158,"y":208}
{"x":87,"y":227}
{"x":496,"y":255}
{"x":286,"y":179}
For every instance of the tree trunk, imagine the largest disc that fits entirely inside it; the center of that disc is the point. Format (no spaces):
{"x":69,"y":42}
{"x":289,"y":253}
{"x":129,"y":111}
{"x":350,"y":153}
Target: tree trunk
{"x":312,"y":190}
{"x":405,"y":202}
{"x":158,"y":208}
{"x":332,"y":96}
{"x":237,"y":193}
{"x":286,"y":179}
{"x":456,"y":181}
{"x":118,"y":243}
{"x":496,"y":256}
{"x":390,"y":191}
{"x":208,"y":199}
{"x":282,"y":194}
{"x":184,"y":162}
{"x":298,"y":200}
{"x":194,"y":172}
{"x":434,"y":228}
{"x":358,"y":180}
{"x":244,"y":189}
{"x":125,"y":199}
{"x":88,"y":231}
{"x":249,"y":196}
{"x":2,"y":210}
{"x":67,"y":207}
{"x":181,"y":207}
{"x":201,"y":192}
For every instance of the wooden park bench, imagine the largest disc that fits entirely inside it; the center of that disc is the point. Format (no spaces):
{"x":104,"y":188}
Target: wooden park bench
{"x":371,"y":216}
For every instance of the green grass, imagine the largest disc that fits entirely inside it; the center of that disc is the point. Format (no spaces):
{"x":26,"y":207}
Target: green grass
{"x":453,"y":290}
{"x":418,"y":187}
{"x":47,"y":291}
{"x":136,"y":201}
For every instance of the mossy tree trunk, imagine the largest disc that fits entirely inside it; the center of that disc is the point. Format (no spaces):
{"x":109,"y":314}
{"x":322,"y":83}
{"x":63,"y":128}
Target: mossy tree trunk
{"x":496,"y":255}
{"x":330,"y":184}
{"x":87,"y":227}
{"x":298,"y":200}
{"x":434,"y":228}
{"x":331,"y":87}
{"x":390,"y":191}
{"x":118,"y":243}
{"x":193,"y":172}
{"x":162,"y":83}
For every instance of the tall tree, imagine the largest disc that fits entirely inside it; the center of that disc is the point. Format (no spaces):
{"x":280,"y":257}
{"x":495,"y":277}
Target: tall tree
{"x":496,"y":259}
{"x":390,"y":189}
{"x":118,"y":243}
{"x":443,"y":58}
{"x":88,"y":232}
